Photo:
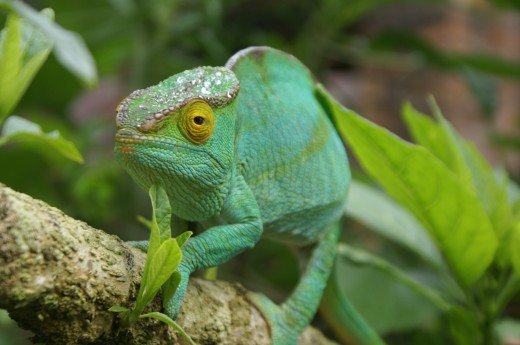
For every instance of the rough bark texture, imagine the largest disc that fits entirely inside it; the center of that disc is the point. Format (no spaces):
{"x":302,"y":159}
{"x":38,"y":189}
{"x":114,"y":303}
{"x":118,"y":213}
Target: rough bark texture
{"x":58,"y":277}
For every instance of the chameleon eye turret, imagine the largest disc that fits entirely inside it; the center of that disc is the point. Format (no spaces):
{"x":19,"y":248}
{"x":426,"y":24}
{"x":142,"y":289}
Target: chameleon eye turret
{"x":198,"y":121}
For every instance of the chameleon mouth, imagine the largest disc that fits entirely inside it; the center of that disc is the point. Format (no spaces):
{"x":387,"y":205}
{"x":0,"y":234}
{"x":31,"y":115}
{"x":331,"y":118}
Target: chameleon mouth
{"x":127,"y":137}
{"x":128,"y":140}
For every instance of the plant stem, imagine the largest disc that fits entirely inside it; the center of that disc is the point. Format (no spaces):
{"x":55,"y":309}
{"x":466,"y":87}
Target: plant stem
{"x":511,"y":287}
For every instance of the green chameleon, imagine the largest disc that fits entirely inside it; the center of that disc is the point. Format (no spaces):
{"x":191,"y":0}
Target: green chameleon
{"x":247,"y":150}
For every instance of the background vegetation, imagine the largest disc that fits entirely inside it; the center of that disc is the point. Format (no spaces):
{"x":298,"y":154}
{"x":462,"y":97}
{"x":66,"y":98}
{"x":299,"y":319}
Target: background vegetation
{"x":372,"y":55}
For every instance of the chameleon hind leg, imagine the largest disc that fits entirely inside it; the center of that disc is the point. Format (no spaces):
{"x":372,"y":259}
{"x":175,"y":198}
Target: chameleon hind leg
{"x":288,"y":320}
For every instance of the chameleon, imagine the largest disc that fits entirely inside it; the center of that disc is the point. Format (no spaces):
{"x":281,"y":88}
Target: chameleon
{"x":247,"y":150}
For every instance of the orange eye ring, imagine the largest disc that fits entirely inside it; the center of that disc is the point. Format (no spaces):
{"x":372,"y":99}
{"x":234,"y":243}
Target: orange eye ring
{"x":198,"y":121}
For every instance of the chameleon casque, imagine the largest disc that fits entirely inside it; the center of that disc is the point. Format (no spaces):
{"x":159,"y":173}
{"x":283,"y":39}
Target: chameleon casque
{"x":248,"y":151}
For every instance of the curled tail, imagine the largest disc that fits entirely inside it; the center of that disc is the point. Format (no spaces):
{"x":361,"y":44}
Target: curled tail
{"x":344,"y":319}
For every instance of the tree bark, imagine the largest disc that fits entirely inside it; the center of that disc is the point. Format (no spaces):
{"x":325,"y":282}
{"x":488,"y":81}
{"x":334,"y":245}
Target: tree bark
{"x":59,"y":277}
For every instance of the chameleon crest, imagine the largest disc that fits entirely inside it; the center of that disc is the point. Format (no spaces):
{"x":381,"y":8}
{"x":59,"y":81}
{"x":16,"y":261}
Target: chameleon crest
{"x":145,"y":108}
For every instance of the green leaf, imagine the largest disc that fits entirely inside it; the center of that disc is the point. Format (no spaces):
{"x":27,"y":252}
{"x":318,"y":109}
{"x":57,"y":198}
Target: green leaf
{"x":170,"y":287}
{"x":391,"y":305}
{"x":392,"y":221}
{"x":157,"y":270}
{"x":211,"y":273}
{"x":119,"y":309}
{"x":461,"y":157}
{"x":464,"y":327}
{"x":363,"y":257}
{"x":167,"y":320}
{"x":162,"y":211}
{"x":183,"y":238}
{"x":23,"y":49}
{"x":514,"y":243}
{"x":69,"y":47}
{"x":164,"y":262}
{"x":158,"y":237}
{"x":164,"y":253}
{"x":414,"y":177}
{"x":19,"y":129}
{"x":155,"y":234}
{"x":10,"y":64}
{"x":427,"y":133}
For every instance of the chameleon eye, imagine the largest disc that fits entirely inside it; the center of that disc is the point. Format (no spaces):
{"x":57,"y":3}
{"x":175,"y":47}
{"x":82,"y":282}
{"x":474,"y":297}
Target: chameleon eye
{"x":198,"y":121}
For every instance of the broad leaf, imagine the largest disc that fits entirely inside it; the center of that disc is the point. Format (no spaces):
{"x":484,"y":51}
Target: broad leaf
{"x":211,"y":273}
{"x":162,"y":211}
{"x":413,"y":176}
{"x":392,"y":221}
{"x":183,"y":238}
{"x":161,"y":266}
{"x":392,"y":305}
{"x":170,"y":287}
{"x":19,"y":129}
{"x":362,"y":257}
{"x":155,"y":233}
{"x":427,"y":133}
{"x":460,"y":156}
{"x":23,"y":49}
{"x":465,"y":161}
{"x":69,"y":47}
{"x":164,"y":262}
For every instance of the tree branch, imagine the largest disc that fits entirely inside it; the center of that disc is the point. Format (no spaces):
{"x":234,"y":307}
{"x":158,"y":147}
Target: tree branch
{"x":59,"y":276}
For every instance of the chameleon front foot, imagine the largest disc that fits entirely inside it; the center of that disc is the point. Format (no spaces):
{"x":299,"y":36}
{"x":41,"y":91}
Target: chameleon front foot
{"x":282,"y":332}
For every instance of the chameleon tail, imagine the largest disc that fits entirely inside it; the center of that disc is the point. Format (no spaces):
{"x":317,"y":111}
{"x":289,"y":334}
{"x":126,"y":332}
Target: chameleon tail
{"x":344,"y":319}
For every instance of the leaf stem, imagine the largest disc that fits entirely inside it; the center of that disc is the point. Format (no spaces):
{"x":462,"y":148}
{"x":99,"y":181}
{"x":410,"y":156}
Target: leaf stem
{"x":507,"y":292}
{"x":363,"y":257}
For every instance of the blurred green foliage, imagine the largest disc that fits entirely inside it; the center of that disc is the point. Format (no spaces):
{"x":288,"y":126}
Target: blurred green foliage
{"x":135,"y":43}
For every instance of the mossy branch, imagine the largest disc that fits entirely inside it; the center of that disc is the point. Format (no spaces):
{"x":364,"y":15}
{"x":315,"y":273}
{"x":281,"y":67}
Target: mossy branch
{"x":59,"y":276}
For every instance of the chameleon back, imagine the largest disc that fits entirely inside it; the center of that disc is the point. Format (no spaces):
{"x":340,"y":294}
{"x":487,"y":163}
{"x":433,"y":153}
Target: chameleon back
{"x":288,"y":150}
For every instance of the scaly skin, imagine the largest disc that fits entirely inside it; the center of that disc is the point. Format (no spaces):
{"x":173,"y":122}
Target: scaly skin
{"x":267,"y":162}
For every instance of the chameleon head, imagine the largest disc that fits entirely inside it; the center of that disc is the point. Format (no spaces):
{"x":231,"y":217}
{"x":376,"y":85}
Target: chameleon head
{"x":180,"y":134}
